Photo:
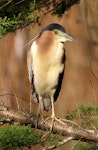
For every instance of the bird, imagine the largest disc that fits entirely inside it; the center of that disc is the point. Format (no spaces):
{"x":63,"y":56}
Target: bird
{"x":46,"y":65}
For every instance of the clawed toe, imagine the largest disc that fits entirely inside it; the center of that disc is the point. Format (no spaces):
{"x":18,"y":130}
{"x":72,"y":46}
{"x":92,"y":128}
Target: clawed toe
{"x":53,"y":118}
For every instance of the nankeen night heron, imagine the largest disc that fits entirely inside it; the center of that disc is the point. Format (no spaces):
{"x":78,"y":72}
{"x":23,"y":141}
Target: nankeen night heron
{"x":46,"y":61}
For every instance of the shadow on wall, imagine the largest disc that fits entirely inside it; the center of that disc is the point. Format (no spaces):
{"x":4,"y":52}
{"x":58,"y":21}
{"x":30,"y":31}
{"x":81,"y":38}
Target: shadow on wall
{"x":80,"y":84}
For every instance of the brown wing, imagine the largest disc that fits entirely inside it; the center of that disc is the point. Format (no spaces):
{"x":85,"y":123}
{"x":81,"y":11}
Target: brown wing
{"x":31,"y":76}
{"x":61,"y":75}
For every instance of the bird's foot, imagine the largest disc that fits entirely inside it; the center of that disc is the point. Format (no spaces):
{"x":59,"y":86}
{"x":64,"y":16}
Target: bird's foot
{"x":30,"y":115}
{"x":53,"y":118}
{"x":36,"y":118}
{"x":39,"y":116}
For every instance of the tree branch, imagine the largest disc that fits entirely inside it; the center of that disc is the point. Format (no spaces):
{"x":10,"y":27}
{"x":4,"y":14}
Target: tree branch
{"x":70,"y":128}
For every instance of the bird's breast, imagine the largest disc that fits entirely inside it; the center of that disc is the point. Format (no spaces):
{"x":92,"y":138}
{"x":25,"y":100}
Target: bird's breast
{"x":46,"y":69}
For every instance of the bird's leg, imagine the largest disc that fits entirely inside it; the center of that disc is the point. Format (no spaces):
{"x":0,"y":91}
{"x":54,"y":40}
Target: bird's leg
{"x":39,"y":113}
{"x":53,"y":117}
{"x":39,"y":107}
{"x":30,"y":101}
{"x":31,"y":113}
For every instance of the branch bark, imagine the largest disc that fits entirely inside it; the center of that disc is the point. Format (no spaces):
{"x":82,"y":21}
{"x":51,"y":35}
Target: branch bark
{"x":70,"y":128}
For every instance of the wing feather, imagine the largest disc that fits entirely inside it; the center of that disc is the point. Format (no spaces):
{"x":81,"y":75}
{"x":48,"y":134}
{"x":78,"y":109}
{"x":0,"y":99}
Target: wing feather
{"x":61,"y":75}
{"x":31,"y":76}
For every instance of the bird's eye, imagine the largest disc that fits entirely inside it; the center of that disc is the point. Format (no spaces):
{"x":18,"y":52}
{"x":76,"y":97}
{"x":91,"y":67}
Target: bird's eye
{"x":55,"y":31}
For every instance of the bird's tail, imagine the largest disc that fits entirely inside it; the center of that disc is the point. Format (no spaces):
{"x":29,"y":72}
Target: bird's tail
{"x":46,"y":103}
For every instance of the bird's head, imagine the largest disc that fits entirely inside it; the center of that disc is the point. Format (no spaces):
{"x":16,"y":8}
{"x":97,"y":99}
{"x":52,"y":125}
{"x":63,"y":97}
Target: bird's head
{"x":62,"y":36}
{"x":59,"y":32}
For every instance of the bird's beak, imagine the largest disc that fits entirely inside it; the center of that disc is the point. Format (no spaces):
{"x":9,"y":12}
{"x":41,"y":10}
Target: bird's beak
{"x":68,"y":37}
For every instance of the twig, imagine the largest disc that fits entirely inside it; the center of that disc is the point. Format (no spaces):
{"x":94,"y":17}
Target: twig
{"x":18,"y":107}
{"x":19,"y":2}
{"x":31,"y":41}
{"x":6,"y":4}
{"x":35,"y":2}
{"x":75,"y":145}
{"x":8,"y":94}
{"x":78,"y":112}
{"x":93,"y":126}
{"x":94,"y":5}
{"x":91,"y":81}
{"x":4,"y":93}
{"x":59,"y":144}
{"x":93,"y":71}
{"x":93,"y":91}
{"x":75,"y":124}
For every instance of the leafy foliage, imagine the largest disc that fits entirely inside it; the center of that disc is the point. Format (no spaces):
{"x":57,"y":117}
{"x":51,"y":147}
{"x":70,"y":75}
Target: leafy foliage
{"x":52,"y":139}
{"x":87,"y":116}
{"x":18,"y":136}
{"x":7,"y":25}
{"x":86,"y":146}
{"x":16,"y":14}
{"x":64,"y":5}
